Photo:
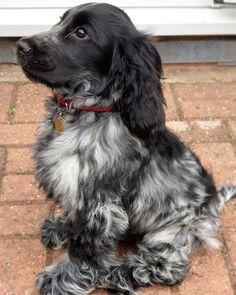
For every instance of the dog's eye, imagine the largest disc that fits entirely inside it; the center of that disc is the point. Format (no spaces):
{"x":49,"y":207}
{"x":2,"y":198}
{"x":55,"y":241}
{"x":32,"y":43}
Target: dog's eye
{"x":81,"y":33}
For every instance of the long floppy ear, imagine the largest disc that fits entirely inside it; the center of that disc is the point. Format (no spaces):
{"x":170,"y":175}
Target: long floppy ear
{"x":136,"y":71}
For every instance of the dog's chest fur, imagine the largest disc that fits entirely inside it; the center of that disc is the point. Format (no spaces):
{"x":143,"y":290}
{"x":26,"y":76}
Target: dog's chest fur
{"x":69,"y":165}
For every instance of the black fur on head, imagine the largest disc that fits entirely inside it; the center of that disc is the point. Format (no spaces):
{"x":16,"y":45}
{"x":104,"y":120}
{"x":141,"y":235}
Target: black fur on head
{"x":97,"y":45}
{"x":134,"y":76}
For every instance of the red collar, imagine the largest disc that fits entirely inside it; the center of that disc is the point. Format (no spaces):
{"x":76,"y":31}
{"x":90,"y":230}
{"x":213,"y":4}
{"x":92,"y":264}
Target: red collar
{"x":72,"y":105}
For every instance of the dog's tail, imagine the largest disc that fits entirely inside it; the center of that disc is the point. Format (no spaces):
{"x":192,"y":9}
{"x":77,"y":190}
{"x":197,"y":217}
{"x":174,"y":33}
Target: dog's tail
{"x":226,"y":193}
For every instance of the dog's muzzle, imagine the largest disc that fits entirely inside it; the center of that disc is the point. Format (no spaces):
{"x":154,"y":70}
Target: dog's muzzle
{"x":31,"y":58}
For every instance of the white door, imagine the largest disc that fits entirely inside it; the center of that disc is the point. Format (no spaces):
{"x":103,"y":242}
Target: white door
{"x":157,"y":17}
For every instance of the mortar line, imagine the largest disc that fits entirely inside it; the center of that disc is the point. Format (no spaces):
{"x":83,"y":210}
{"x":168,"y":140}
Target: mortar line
{"x":2,"y":169}
{"x":180,"y":112}
{"x":16,"y":173}
{"x":12,"y":107}
{"x":230,"y":131}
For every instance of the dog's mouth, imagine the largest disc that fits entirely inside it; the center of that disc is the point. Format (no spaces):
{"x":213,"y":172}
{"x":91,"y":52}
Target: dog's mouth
{"x":35,"y":65}
{"x":36,"y":68}
{"x":38,"y":73}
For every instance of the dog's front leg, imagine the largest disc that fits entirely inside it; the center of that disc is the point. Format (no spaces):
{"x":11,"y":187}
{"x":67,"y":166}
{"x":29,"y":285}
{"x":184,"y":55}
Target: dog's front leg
{"x":91,"y":251}
{"x":97,"y":230}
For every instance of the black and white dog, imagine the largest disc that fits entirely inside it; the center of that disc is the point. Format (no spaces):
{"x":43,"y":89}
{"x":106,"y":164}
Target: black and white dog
{"x":103,"y":152}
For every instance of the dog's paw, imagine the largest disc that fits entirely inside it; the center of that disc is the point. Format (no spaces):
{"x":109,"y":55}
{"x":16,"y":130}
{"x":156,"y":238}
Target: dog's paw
{"x":50,"y":234}
{"x":65,"y":278}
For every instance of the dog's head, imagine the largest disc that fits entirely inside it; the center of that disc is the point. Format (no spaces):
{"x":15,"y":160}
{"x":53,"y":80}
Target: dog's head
{"x":96,"y":49}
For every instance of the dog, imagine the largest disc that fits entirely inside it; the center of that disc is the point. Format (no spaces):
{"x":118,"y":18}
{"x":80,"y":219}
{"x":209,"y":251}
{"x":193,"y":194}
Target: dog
{"x":104,"y":154}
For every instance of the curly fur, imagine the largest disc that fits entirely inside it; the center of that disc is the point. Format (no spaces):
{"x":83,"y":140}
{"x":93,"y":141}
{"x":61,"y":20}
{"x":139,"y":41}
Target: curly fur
{"x":118,"y":175}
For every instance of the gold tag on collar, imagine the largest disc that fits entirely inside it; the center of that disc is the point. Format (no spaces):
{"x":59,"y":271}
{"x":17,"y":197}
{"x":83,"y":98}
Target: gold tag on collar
{"x":58,"y":124}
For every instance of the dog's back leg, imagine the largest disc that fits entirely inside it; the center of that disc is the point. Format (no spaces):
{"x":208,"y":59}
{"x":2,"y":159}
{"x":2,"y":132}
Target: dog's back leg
{"x":160,"y":264}
{"x":162,"y":254}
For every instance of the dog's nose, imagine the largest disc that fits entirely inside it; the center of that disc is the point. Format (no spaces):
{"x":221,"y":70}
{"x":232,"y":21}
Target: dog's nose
{"x":23,"y":46}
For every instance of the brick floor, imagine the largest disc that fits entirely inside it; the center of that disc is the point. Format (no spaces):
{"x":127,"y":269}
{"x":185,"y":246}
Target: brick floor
{"x":208,"y":275}
{"x":206,"y":100}
{"x":222,"y":159}
{"x":17,"y":134}
{"x":19,"y":160}
{"x":5,"y":101}
{"x":200,"y":131}
{"x":171,"y":108}
{"x":20,"y":188}
{"x":20,"y":260}
{"x":21,"y":219}
{"x":201,"y":109}
{"x":229,"y":214}
{"x":30,"y":102}
{"x":230,"y":239}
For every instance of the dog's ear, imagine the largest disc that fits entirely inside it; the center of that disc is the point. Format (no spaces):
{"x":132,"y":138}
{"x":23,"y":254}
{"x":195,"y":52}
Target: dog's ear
{"x":135,"y":73}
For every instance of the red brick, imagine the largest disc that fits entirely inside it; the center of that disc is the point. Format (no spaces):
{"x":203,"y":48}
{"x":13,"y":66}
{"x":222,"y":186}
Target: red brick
{"x":22,"y":219}
{"x":193,"y":73}
{"x":20,"y":188}
{"x":230,"y":240}
{"x":171,"y":109}
{"x":208,"y":131}
{"x":155,"y":290}
{"x":19,"y":160}
{"x":200,"y":131}
{"x":222,"y":159}
{"x":206,"y":100}
{"x":17,"y":134}
{"x":20,"y":261}
{"x":30,"y":102}
{"x":229,"y":214}
{"x":5,"y":101}
{"x":208,"y":275}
